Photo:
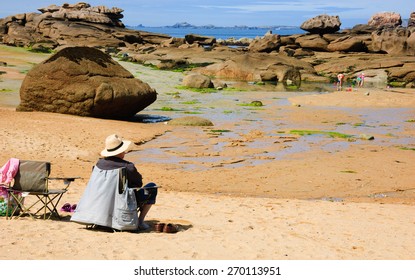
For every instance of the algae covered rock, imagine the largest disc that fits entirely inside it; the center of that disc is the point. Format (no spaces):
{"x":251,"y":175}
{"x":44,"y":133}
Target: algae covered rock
{"x":191,"y":121}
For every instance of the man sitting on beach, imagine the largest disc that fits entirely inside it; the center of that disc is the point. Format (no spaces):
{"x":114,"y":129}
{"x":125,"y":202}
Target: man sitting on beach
{"x":113,"y":158}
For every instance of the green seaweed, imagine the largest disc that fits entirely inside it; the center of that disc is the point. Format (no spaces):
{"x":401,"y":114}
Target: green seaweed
{"x":189,"y":66}
{"x":255,"y":103}
{"x":168,"y":109}
{"x":232,"y":89}
{"x":200,"y":90}
{"x":190,"y":102}
{"x":397,"y":84}
{"x":407,"y":149}
{"x":292,"y":87}
{"x":332,"y":134}
{"x":174,"y":94}
{"x":358,"y":124}
{"x":220,"y":130}
{"x":40,"y":49}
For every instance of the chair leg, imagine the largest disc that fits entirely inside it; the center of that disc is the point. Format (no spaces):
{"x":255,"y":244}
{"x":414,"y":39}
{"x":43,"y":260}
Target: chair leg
{"x":49,"y":203}
{"x":43,"y":199}
{"x":24,"y":210}
{"x":8,"y":207}
{"x":58,"y":196}
{"x":19,"y":205}
{"x":53,"y":202}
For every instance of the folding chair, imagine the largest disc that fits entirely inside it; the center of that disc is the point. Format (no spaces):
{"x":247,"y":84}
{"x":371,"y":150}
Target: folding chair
{"x":33,"y":178}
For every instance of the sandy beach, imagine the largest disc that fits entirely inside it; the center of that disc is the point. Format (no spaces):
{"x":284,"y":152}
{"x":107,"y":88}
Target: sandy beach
{"x":258,"y":192}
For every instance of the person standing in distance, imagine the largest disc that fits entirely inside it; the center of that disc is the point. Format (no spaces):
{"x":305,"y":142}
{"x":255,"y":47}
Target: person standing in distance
{"x":340,"y":80}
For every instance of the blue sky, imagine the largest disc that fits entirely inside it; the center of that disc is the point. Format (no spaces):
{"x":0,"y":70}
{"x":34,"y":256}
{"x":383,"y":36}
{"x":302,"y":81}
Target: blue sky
{"x":230,"y":12}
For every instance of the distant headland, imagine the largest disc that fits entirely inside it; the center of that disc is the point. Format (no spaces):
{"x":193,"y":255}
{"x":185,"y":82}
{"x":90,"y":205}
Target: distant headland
{"x":211,"y":26}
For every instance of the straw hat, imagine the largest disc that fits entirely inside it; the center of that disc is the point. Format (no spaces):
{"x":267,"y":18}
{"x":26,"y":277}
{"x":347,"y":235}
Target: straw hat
{"x":115,"y":145}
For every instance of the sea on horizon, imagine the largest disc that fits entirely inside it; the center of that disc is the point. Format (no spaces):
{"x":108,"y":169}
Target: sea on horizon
{"x":221,"y":32}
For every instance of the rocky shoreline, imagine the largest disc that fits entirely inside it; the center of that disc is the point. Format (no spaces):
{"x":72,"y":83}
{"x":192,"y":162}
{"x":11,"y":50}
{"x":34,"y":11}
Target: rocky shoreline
{"x":382,"y":48}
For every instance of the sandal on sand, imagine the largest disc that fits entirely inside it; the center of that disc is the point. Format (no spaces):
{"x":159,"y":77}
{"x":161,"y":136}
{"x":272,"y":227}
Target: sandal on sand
{"x":66,"y":207}
{"x":159,"y":227}
{"x":73,"y":208}
{"x":170,"y":228}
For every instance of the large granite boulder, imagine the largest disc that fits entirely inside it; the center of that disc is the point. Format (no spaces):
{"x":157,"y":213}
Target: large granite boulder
{"x":86,"y":82}
{"x":392,"y":41}
{"x":258,"y":67}
{"x":362,"y":29}
{"x":385,"y":19}
{"x":83,"y":11}
{"x":268,"y":43}
{"x":197,"y":81}
{"x":410,"y":42}
{"x":347,"y":44}
{"x":313,"y":42}
{"x":322,"y":24}
{"x":411,"y":21}
{"x":202,"y":40}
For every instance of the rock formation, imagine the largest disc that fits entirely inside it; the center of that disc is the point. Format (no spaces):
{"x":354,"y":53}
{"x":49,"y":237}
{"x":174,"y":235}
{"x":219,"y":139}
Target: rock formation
{"x":385,"y":19}
{"x":411,"y":21}
{"x":268,"y":43}
{"x":202,"y":40}
{"x":74,"y":25}
{"x":322,"y":24}
{"x":347,"y":43}
{"x":313,"y":42}
{"x":86,"y":82}
{"x":258,"y":67}
{"x":197,"y":81}
{"x":392,"y":41}
{"x":83,"y":11}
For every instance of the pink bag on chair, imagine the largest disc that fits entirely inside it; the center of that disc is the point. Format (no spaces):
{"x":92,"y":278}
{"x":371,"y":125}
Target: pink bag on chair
{"x":7,"y":173}
{"x":9,"y":170}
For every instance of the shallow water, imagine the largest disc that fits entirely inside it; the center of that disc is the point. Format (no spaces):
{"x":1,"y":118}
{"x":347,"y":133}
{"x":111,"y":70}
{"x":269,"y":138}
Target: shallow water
{"x":227,"y":110}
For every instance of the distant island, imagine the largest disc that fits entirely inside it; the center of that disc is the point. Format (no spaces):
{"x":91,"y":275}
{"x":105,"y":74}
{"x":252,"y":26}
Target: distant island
{"x":211,"y":26}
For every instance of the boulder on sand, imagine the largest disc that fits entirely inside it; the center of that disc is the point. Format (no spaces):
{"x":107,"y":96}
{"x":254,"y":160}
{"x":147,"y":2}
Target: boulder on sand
{"x":86,"y":82}
{"x":197,"y":81}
